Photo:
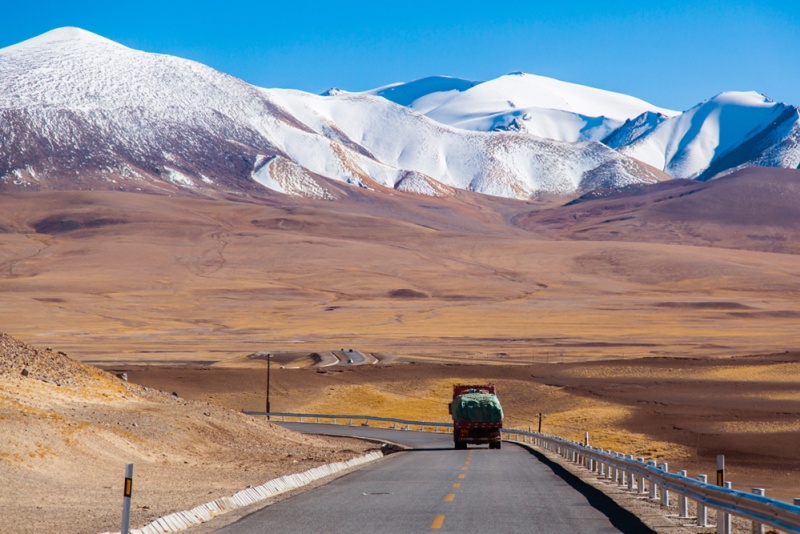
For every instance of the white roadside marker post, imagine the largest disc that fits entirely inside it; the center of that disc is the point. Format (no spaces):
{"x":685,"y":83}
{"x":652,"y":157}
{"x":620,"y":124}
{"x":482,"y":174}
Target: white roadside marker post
{"x":126,"y":500}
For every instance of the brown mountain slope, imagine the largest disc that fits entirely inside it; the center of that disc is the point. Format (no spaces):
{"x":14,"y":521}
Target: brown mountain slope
{"x":754,"y":209}
{"x":68,"y":429}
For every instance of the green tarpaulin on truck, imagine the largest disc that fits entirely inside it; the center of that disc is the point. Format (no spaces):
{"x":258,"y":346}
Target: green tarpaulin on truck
{"x":477,"y":407}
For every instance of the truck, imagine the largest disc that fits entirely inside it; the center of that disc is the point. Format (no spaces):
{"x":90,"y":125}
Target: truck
{"x":477,"y":415}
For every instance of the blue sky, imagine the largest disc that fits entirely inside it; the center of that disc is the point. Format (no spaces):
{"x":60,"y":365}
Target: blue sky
{"x":673,"y":54}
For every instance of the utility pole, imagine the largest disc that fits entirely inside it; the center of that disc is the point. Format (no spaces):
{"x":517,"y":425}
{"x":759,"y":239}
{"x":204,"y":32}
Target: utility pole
{"x":269,"y":359}
{"x":540,"y":422}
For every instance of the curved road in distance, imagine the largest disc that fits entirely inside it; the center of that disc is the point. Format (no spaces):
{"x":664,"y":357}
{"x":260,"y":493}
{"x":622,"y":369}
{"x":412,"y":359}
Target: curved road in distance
{"x":350,"y":357}
{"x":435,"y":488}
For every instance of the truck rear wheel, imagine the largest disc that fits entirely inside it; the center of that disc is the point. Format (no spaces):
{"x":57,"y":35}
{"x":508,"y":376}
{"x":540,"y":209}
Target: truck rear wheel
{"x":461,"y":445}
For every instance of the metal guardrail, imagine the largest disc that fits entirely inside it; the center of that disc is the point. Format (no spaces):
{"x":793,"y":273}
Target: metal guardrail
{"x":623,"y":469}
{"x":351,"y":418}
{"x":640,"y":476}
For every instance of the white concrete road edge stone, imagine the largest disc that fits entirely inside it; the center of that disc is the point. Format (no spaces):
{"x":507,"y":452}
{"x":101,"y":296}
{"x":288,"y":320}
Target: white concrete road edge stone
{"x":178,"y":521}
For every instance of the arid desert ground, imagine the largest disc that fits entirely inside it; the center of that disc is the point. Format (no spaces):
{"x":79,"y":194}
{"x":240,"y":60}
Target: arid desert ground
{"x":663,"y":339}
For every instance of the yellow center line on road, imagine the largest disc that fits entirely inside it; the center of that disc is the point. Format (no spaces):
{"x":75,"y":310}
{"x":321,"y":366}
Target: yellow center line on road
{"x":464,"y":468}
{"x":462,"y":475}
{"x":437,"y":522}
{"x":466,"y":463}
{"x":449,"y":497}
{"x":456,"y":485}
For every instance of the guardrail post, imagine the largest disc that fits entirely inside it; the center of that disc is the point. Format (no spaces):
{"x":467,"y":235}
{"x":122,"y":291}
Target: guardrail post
{"x":631,"y":476}
{"x":664,"y":491}
{"x":351,"y":422}
{"x":758,"y":528}
{"x":702,"y":510}
{"x":641,"y":478}
{"x":652,"y":482}
{"x":683,"y":501}
{"x":723,"y":519}
{"x":126,"y":499}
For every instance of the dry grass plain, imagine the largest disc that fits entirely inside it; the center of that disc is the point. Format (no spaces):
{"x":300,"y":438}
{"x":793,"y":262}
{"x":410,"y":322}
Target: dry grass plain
{"x":613,"y":337}
{"x":147,"y":278}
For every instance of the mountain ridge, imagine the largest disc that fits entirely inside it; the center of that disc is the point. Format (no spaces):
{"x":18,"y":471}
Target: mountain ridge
{"x":81,"y":111}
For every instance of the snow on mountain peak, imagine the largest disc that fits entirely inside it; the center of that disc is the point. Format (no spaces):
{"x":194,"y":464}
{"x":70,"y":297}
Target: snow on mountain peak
{"x":533,"y":91}
{"x":741,"y":98}
{"x":728,"y":130}
{"x":68,"y":35}
{"x":424,"y":94}
{"x":526,"y":103}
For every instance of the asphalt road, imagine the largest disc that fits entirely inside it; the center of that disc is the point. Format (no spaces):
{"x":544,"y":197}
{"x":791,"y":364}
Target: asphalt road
{"x":350,"y":357}
{"x":434,"y":488}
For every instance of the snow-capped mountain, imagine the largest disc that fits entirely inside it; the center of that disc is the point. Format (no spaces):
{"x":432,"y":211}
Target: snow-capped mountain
{"x":729,"y":131}
{"x":78,"y":110}
{"x":425,"y":94}
{"x":536,"y":105}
